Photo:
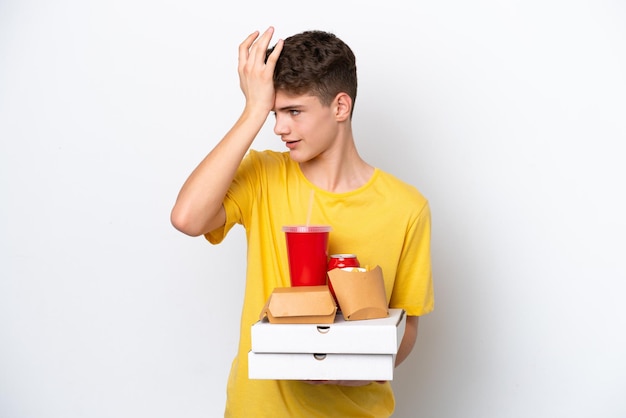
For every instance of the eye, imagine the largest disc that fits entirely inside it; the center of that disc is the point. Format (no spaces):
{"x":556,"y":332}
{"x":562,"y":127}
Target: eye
{"x":294,"y":112}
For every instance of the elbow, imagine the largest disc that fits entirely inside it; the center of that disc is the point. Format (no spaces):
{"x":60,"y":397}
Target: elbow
{"x":194,"y":221}
{"x":183,"y":222}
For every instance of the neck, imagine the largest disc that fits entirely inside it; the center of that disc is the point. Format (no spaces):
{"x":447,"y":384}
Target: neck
{"x":339,"y":169}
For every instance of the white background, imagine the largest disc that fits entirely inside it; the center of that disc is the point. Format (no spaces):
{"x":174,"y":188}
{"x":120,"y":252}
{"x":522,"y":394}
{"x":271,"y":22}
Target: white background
{"x":509,"y":116}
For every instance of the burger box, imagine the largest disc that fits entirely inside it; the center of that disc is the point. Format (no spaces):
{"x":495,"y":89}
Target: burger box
{"x":300,"y":305}
{"x":341,"y":350}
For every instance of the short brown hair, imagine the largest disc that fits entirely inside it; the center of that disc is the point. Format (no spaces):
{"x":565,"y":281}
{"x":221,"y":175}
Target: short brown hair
{"x":318,"y":63}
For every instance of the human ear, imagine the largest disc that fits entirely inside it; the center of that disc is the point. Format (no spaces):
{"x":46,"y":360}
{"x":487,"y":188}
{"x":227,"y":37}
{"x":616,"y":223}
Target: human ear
{"x":343,"y":106}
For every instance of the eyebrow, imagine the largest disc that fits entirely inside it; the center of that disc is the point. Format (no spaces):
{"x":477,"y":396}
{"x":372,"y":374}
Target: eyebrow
{"x":289,"y":107}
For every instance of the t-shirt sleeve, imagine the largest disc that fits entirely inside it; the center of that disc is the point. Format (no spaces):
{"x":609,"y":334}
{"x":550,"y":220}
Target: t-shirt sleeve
{"x":413,"y":288}
{"x":232,"y":214}
{"x":239,"y":198}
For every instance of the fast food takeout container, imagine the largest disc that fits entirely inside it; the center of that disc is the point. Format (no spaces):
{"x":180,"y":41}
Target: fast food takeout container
{"x":360,"y":292}
{"x":300,"y":305}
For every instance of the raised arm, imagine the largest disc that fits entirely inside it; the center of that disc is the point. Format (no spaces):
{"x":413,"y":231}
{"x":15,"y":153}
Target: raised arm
{"x":198,"y":208}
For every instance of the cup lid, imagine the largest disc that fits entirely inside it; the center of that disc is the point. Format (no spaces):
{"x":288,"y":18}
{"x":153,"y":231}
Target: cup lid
{"x":306,"y":228}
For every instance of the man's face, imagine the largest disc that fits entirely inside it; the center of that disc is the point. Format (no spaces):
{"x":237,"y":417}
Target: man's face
{"x":306,"y":126}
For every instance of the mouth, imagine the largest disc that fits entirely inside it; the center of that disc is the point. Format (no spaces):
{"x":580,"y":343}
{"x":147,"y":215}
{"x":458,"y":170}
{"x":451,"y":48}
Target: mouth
{"x":291,"y":144}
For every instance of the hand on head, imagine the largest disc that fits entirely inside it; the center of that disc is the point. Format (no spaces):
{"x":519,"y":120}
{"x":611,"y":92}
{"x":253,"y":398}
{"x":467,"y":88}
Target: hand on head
{"x":255,"y":73}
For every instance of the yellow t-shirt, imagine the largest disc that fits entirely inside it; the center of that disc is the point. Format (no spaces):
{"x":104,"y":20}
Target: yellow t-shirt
{"x":385,"y":222}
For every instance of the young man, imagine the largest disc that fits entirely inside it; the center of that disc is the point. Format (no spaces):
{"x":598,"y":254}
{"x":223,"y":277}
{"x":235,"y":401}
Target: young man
{"x":309,"y":82}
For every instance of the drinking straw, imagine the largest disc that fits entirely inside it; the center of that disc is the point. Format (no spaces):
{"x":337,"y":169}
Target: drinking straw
{"x":308,"y":216}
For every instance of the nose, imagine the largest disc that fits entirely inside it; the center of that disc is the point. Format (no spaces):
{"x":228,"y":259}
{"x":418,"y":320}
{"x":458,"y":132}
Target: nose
{"x":281,"y":127}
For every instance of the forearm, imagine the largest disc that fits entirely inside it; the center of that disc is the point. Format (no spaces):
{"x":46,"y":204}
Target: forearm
{"x":200,"y":199}
{"x":408,"y":340}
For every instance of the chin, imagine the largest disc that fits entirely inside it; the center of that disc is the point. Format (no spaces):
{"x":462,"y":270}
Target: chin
{"x":298,"y":157}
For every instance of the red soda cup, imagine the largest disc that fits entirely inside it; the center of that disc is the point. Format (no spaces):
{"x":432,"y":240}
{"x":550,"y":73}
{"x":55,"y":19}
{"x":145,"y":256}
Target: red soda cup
{"x":307,"y":253}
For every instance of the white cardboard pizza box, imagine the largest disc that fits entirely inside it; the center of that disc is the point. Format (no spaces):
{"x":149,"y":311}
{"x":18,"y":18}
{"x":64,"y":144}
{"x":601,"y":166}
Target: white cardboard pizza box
{"x":306,"y":366}
{"x":368,"y":336}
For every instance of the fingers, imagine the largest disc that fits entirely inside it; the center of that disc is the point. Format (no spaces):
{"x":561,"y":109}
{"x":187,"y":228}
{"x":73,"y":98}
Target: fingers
{"x":259,"y":48}
{"x":244,"y":47}
{"x":273,"y":57}
{"x":255,"y":73}
{"x":340,"y":382}
{"x":253,"y":48}
{"x":316,"y":382}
